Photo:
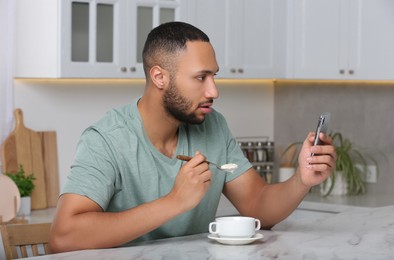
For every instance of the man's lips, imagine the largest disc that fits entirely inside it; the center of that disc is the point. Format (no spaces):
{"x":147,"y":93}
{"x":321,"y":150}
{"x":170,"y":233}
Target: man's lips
{"x":206,"y":107}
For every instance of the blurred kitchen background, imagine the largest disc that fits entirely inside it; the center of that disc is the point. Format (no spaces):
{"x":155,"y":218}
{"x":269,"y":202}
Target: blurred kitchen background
{"x":282,"y":63}
{"x":284,"y":111}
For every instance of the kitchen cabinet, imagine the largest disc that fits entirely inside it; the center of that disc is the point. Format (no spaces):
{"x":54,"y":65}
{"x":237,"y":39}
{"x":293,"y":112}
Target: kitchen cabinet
{"x":248,"y":36}
{"x":86,"y":38}
{"x":341,"y":39}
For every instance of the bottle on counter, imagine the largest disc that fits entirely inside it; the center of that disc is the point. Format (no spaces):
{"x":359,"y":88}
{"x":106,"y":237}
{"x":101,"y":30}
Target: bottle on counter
{"x":261,"y":153}
{"x":268,"y":174}
{"x":250,"y":152}
{"x":270,"y":151}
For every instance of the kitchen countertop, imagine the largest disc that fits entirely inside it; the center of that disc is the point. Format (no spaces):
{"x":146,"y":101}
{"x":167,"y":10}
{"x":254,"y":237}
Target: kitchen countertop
{"x":315,"y":201}
{"x":359,"y":233}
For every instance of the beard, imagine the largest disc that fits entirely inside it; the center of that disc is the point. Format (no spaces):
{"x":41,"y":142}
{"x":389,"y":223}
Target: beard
{"x":178,"y":106}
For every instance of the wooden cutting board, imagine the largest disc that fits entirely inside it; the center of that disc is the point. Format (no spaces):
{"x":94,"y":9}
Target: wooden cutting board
{"x":24,"y":147}
{"x":49,"y":151}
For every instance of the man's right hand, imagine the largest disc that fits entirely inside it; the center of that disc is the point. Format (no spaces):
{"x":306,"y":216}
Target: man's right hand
{"x":192,"y":182}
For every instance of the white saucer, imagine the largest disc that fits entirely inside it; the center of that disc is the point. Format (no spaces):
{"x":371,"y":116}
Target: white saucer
{"x":235,"y":241}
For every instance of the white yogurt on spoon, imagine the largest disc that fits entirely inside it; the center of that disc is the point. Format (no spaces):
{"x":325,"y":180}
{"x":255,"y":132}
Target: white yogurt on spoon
{"x":230,"y":167}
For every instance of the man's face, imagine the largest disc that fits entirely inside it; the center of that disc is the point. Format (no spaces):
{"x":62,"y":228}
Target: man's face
{"x":191,"y":91}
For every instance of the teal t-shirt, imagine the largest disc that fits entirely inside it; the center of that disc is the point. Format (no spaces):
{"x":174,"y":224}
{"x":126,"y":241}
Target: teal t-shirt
{"x":117,"y":166}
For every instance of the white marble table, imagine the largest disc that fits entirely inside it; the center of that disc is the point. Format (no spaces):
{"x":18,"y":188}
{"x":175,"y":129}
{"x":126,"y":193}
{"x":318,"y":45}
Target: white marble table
{"x":315,"y":201}
{"x":355,"y":234}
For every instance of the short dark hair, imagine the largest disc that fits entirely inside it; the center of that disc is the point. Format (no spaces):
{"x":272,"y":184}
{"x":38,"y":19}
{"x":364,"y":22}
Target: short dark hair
{"x":166,"y":41}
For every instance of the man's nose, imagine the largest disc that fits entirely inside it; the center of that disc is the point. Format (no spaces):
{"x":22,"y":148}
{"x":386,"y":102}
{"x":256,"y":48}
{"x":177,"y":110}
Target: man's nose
{"x":212,"y":91}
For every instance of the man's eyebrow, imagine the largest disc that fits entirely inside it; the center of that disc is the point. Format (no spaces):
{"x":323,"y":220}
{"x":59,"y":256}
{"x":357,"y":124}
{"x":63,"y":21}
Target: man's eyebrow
{"x":208,"y":71}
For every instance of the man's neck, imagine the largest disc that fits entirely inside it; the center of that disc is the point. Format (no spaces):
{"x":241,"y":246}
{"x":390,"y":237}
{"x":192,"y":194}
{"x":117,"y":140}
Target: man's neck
{"x":161,"y":129}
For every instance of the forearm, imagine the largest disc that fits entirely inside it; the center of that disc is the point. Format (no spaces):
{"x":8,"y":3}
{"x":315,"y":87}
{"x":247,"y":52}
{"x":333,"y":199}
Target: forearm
{"x":277,"y":201}
{"x":252,"y":196}
{"x":109,"y":229}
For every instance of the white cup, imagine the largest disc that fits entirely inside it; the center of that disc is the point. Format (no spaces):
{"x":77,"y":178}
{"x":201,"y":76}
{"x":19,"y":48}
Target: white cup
{"x":234,"y":227}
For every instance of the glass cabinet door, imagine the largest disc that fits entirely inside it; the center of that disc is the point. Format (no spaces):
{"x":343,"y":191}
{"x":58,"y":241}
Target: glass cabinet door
{"x":92,"y":38}
{"x":144,"y":26}
{"x":92,"y":31}
{"x":150,"y":14}
{"x":81,"y":34}
{"x":105,"y":33}
{"x":105,"y":38}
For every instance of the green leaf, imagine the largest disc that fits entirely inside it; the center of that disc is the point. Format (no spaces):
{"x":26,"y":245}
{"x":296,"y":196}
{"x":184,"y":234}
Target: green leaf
{"x":25,"y":183}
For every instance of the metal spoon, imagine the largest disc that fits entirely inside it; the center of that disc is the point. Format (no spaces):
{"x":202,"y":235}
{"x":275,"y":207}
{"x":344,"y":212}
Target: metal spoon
{"x":230,"y":167}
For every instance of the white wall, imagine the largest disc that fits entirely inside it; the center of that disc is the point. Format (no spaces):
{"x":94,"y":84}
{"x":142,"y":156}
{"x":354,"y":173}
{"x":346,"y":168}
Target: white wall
{"x":69,"y":106}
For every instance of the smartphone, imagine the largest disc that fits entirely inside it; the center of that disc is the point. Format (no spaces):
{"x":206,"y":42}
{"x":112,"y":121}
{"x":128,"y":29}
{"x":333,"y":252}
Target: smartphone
{"x":322,"y":127}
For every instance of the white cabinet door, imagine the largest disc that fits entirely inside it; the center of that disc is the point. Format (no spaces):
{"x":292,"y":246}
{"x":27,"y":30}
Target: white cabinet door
{"x":371,"y":55}
{"x":257,"y":38}
{"x":144,"y":16}
{"x":93,"y":41}
{"x":342,"y":39}
{"x":37,"y":38}
{"x":319,"y":47}
{"x":86,"y":38}
{"x":211,"y":17}
{"x":244,"y":34}
{"x":118,"y":35}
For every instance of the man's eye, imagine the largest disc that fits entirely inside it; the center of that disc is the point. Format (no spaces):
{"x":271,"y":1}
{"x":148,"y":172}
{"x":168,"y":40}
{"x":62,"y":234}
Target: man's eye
{"x":202,"y":77}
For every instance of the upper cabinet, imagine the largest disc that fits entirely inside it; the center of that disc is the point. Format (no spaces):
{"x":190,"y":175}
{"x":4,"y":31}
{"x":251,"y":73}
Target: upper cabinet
{"x":248,"y":36}
{"x":310,"y":39}
{"x":86,"y":38}
{"x":341,"y":39}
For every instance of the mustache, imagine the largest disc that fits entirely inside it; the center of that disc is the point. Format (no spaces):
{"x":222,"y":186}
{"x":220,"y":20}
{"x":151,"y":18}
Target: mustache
{"x":208,"y":102}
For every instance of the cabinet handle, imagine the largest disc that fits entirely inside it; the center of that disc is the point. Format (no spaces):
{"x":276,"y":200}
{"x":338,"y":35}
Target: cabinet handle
{"x":233,"y":70}
{"x":351,"y":72}
{"x":133,"y":69}
{"x":240,"y":70}
{"x":341,"y":71}
{"x":123,"y":69}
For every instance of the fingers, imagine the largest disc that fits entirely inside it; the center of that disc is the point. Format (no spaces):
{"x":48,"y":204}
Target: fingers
{"x":326,"y":139}
{"x":317,"y":162}
{"x":319,"y":150}
{"x":197,"y":159}
{"x":192,"y":182}
{"x":321,"y":162}
{"x":326,"y":148}
{"x":199,"y":167}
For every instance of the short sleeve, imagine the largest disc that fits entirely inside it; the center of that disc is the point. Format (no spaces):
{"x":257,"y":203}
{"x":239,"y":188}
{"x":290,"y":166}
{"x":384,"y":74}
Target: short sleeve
{"x":234,"y":152}
{"x":93,"y":172}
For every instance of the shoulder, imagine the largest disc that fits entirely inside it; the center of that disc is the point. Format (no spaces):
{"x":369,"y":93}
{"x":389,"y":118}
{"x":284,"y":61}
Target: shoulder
{"x":116,"y":125}
{"x":114,"y":118}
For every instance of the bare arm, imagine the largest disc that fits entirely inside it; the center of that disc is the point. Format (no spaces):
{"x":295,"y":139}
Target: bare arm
{"x":273,"y":203}
{"x":80,"y":223}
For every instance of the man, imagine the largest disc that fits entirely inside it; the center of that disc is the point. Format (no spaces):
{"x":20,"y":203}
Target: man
{"x":126,"y":184}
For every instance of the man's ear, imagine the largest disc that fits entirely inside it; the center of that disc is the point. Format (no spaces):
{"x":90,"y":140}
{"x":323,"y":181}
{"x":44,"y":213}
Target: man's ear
{"x":159,"y":76}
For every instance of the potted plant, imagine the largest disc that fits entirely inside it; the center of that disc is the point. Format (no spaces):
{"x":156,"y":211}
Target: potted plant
{"x":289,"y":162}
{"x":25,"y":184}
{"x":351,"y":167}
